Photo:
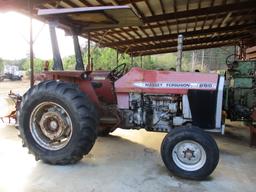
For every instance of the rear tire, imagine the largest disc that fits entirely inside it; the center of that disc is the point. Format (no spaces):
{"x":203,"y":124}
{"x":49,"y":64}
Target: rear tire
{"x":190,"y":153}
{"x":57,"y":122}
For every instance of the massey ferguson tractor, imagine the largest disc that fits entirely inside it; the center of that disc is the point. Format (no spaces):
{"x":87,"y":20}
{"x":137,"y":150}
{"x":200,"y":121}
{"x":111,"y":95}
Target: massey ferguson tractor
{"x":61,"y":117}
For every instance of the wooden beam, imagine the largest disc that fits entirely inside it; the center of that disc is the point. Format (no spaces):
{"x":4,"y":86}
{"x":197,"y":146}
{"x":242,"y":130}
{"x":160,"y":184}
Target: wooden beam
{"x":187,"y":8}
{"x":164,"y":12}
{"x":238,"y":28}
{"x":152,"y":13}
{"x":125,"y":2}
{"x":175,"y":15}
{"x":141,"y":14}
{"x":202,"y":11}
{"x":189,"y":20}
{"x":41,"y":2}
{"x":104,"y":3}
{"x":171,"y":50}
{"x":189,"y":42}
{"x":116,"y":2}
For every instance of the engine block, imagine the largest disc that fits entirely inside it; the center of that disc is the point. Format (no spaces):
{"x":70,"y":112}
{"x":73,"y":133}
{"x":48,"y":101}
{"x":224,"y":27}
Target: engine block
{"x":155,"y":112}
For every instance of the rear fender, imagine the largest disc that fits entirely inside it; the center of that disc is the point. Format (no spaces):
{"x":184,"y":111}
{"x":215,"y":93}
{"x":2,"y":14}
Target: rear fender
{"x":76,"y":77}
{"x":86,"y":87}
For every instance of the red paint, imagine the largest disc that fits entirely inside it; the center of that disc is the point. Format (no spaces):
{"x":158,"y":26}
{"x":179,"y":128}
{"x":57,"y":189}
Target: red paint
{"x":136,"y":80}
{"x":87,"y":88}
{"x":161,"y":80}
{"x":105,"y":93}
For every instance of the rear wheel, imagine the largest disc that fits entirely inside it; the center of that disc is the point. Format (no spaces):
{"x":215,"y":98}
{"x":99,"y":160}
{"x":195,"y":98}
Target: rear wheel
{"x":57,"y":122}
{"x":190,"y":153}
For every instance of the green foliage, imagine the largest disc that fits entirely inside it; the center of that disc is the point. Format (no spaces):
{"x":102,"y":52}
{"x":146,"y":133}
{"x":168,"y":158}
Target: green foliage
{"x":208,"y":59}
{"x":105,"y":59}
{"x":160,"y":62}
{"x":69,"y":62}
{"x":213,"y":59}
{"x":38,"y":65}
{"x":15,"y":62}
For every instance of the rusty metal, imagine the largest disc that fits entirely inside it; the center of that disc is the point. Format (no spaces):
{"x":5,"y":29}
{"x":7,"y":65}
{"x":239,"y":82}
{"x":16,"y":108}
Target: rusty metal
{"x":16,"y":98}
{"x":51,"y":125}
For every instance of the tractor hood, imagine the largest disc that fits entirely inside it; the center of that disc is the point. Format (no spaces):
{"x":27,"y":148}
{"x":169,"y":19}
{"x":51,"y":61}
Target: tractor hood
{"x":165,"y":82}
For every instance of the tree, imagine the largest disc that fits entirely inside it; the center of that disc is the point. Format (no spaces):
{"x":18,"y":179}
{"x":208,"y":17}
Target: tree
{"x":38,"y":65}
{"x":69,"y":62}
{"x":105,"y":59}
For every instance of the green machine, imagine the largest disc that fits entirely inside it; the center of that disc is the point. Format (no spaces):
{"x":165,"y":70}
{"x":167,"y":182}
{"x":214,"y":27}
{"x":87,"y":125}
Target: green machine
{"x":240,"y":91}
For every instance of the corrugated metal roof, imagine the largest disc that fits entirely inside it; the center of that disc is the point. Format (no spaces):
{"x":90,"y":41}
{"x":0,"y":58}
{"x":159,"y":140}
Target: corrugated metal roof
{"x":204,"y":23}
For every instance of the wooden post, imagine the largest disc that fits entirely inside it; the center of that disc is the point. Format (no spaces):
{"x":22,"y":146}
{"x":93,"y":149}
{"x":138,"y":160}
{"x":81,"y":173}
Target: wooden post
{"x":117,"y":57}
{"x":89,"y":52}
{"x":179,"y":53}
{"x":31,"y":45}
{"x":57,"y":61}
{"x":193,"y":62}
{"x":78,"y":54}
{"x":202,"y":61}
{"x":141,"y":62}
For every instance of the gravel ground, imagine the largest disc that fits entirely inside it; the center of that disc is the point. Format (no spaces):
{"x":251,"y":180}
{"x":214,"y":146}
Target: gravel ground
{"x":16,"y":86}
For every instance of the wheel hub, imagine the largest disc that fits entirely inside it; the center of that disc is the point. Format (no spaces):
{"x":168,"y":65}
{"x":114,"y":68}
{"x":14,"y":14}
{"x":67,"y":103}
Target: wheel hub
{"x":189,"y":155}
{"x":53,"y":125}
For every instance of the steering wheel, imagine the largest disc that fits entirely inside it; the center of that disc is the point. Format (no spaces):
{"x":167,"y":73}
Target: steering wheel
{"x":230,"y":60}
{"x":117,"y":72}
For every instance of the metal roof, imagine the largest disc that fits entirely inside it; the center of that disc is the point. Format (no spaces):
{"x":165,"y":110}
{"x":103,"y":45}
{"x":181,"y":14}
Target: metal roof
{"x":85,"y":19}
{"x":204,"y":23}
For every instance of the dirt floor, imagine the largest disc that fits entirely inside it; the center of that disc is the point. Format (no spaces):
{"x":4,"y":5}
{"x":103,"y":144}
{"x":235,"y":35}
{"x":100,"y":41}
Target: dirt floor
{"x":15,"y":86}
{"x":125,"y":161}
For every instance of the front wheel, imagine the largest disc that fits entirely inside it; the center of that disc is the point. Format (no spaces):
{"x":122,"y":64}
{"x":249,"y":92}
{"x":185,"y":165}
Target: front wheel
{"x":190,"y":153}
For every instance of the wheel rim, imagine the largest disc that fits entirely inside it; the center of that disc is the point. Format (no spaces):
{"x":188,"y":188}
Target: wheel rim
{"x":189,"y":155}
{"x":51,"y":126}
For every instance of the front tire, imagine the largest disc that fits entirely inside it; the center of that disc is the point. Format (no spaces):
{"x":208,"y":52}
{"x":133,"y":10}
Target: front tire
{"x":57,"y":122}
{"x":190,"y":153}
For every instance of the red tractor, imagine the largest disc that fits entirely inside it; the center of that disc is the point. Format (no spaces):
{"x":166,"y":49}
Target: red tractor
{"x":61,"y":117}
